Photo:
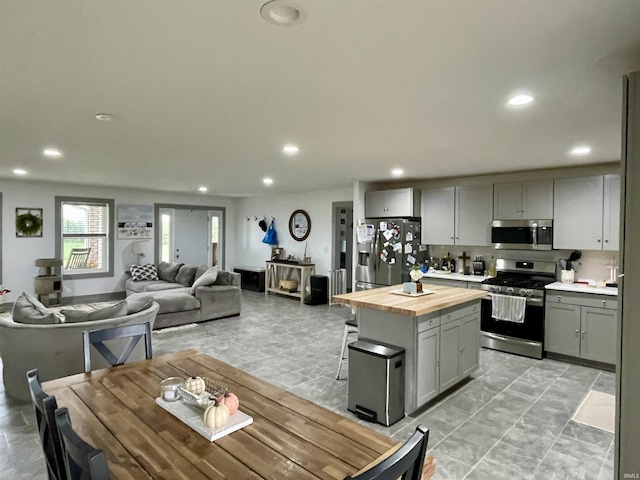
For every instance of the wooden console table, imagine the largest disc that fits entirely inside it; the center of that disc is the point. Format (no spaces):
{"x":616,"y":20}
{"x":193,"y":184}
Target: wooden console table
{"x":274,"y":274}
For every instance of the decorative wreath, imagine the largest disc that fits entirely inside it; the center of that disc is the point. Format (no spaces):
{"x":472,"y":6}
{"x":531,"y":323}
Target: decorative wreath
{"x":28,"y":224}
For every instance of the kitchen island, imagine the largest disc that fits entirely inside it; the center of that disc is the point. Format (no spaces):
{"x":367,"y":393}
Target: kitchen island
{"x":440,"y":333}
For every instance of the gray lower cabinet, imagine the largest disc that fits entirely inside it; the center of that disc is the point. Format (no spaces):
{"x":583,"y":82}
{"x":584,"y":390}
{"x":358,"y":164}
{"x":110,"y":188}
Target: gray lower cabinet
{"x":469,"y":344}
{"x":449,"y":354}
{"x":581,"y":325}
{"x":427,"y":371}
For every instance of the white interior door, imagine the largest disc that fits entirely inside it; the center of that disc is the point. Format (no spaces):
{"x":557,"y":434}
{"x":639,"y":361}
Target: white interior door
{"x":191,"y":234}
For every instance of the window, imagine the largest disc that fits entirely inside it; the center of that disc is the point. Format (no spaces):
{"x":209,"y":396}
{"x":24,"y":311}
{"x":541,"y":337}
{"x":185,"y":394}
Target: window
{"x":84,"y":236}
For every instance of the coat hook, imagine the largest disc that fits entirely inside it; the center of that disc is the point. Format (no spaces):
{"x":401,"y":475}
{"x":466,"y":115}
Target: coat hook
{"x":248,"y":219}
{"x":255,"y":218}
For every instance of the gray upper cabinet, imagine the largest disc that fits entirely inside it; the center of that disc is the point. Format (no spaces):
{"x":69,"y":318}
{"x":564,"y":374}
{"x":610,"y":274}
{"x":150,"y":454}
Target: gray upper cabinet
{"x":586,"y":213}
{"x":474,"y":207}
{"x":438,"y":211}
{"x":399,"y":202}
{"x":532,"y":200}
{"x":611,"y":213}
{"x":457,"y":215}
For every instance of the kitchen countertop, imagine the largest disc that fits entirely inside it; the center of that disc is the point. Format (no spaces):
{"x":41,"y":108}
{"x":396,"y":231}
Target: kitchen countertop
{"x":582,"y":288}
{"x":382,"y":299}
{"x":455,"y":277}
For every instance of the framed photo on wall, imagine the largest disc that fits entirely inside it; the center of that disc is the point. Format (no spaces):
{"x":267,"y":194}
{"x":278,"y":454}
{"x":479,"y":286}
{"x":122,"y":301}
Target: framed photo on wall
{"x":135,"y":221}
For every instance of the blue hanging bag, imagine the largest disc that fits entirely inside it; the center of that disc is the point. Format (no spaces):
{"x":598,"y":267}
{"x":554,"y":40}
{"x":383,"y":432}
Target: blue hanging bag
{"x":271,"y":237}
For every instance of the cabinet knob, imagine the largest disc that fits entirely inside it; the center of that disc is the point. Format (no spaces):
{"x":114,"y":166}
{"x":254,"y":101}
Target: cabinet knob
{"x":598,"y":240}
{"x":604,"y":302}
{"x":559,"y":297}
{"x":583,"y":332}
{"x":606,"y":240}
{"x":577,"y":332}
{"x":452,"y":237}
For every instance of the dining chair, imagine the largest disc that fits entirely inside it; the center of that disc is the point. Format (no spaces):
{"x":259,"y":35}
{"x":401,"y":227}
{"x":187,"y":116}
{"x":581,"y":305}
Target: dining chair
{"x":97,"y":338}
{"x":78,"y":258}
{"x":405,"y":463}
{"x":81,"y":460}
{"x":45,"y":407}
{"x":350,"y":327}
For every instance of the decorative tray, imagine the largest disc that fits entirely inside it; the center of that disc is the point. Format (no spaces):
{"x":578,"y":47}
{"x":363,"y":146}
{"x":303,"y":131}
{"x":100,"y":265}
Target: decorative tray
{"x":192,"y":416}
{"x":417,"y":294}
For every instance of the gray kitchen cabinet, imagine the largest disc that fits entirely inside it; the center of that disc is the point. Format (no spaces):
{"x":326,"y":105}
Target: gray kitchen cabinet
{"x":445,"y":282}
{"x":581,"y":325}
{"x":437,"y":209}
{"x":457,"y":215}
{"x":427,"y":368}
{"x":449,"y":354}
{"x":586,"y":212}
{"x":598,"y":334}
{"x":399,"y":202}
{"x":469,"y":344}
{"x":611,"y":213}
{"x":531,"y":200}
{"x":459,"y":344}
{"x":562,"y":329}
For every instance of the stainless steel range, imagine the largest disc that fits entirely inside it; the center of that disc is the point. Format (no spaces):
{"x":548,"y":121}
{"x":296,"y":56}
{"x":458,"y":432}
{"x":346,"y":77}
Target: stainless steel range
{"x":523,"y":278}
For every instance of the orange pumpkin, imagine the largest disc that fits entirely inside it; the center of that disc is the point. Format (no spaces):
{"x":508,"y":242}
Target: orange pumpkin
{"x":231,"y":401}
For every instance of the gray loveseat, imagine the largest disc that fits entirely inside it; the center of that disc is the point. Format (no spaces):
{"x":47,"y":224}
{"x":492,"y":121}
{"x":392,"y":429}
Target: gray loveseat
{"x":180,"y":302}
{"x":56,"y":350}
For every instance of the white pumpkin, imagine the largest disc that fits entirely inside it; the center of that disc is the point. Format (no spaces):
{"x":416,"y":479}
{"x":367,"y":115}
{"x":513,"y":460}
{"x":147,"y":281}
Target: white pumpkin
{"x":216,"y":415}
{"x":194,"y":385}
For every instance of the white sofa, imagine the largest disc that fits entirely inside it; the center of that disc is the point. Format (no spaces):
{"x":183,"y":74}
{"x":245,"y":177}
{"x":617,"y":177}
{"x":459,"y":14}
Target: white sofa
{"x":56,"y":350}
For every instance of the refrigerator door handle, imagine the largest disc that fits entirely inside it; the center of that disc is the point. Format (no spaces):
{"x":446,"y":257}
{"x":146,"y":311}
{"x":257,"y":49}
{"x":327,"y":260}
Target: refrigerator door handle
{"x":375,"y":250}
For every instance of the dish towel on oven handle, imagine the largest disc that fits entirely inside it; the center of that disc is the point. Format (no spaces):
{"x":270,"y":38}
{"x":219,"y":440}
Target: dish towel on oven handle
{"x":508,"y":308}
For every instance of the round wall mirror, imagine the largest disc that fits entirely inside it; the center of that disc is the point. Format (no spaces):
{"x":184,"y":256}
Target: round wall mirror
{"x":299,"y":225}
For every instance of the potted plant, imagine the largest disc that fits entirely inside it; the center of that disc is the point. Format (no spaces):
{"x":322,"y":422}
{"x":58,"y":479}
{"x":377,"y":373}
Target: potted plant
{"x":416,"y":275}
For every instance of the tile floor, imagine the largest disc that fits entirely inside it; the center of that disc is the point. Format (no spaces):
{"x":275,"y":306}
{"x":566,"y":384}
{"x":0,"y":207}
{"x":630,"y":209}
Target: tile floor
{"x":512,"y":420}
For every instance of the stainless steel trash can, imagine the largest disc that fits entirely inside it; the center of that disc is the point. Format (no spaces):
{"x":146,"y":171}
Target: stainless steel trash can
{"x":376,"y":381}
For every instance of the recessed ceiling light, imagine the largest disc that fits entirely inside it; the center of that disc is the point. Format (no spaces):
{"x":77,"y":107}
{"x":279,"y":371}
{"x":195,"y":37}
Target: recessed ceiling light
{"x":19,"y":171}
{"x":522,"y":99}
{"x":283,"y":13}
{"x":106,"y":117}
{"x":397,"y":172}
{"x":267,"y":181}
{"x":203,"y":189}
{"x":52,"y":152}
{"x":580,"y":151}
{"x":290,"y":149}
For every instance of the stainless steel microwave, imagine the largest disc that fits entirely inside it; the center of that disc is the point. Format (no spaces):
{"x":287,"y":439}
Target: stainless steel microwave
{"x":522,"y":234}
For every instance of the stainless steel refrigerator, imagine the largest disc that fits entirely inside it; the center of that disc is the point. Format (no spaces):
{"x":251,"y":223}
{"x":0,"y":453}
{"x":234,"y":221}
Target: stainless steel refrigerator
{"x":387,"y":248}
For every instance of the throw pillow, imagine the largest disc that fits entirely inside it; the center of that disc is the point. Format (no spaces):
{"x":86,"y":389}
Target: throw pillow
{"x":207,"y":278}
{"x":27,"y":309}
{"x":137,"y":303}
{"x":168,"y":271}
{"x":186,"y":275}
{"x":224,"y":278}
{"x":200,"y":271}
{"x":113,"y":311}
{"x":143,"y":272}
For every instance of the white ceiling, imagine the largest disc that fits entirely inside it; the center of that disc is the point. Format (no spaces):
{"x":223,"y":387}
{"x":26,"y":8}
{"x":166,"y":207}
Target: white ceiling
{"x":208,"y":92}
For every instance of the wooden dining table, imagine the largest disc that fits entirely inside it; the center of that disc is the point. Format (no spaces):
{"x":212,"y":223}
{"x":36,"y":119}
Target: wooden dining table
{"x":114,"y":409}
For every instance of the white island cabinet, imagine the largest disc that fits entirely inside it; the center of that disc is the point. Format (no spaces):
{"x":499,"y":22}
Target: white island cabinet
{"x":440,"y":333}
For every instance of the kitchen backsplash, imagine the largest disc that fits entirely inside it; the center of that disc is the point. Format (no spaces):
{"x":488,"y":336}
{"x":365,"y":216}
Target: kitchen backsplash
{"x":594,"y":264}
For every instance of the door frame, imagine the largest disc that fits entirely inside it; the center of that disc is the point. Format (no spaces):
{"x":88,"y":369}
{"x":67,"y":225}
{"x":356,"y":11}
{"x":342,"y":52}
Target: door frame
{"x":176,"y":206}
{"x":335,"y":254}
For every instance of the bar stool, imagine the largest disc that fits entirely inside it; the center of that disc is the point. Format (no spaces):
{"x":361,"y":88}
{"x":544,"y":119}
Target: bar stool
{"x":350,"y":326}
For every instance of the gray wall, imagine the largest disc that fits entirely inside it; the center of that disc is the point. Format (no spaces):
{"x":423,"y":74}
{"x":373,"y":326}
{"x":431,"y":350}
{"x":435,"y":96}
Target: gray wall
{"x":628,"y":387}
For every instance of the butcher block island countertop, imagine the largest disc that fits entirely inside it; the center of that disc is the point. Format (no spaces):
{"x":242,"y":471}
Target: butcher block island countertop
{"x":382,"y":299}
{"x":440,"y":333}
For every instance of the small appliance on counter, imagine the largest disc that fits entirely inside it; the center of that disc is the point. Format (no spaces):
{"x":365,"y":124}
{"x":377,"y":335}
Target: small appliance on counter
{"x":478,"y":265}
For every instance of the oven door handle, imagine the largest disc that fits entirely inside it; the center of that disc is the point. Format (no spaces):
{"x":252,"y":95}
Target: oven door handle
{"x":530,"y":300}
